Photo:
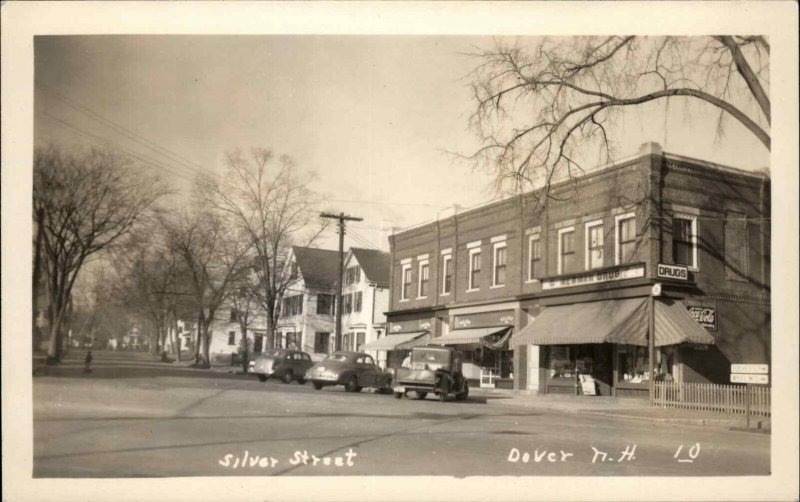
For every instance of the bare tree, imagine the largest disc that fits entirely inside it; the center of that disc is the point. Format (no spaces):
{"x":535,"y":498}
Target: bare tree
{"x":244,"y":301}
{"x":274,"y":208}
{"x":85,"y":202}
{"x":536,"y":106}
{"x":215,"y":257}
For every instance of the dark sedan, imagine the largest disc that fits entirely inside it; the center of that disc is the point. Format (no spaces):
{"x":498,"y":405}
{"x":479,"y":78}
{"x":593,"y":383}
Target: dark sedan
{"x":354,"y":370}
{"x":287,"y":365}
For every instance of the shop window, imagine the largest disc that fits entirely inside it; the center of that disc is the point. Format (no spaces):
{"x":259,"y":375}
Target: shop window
{"x":405,"y":289}
{"x":626,"y":238}
{"x":447,"y":274}
{"x":474,"y":269}
{"x":499,"y":270}
{"x":231,"y":338}
{"x":321,"y":342}
{"x":534,"y":257}
{"x":566,"y":250}
{"x":424,"y":278}
{"x":325,"y":304}
{"x":735,"y":236}
{"x":594,"y":245}
{"x":684,"y":240}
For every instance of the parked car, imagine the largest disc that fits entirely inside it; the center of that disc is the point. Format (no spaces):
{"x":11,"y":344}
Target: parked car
{"x":354,"y":370}
{"x":433,"y":369}
{"x":285,"y":364}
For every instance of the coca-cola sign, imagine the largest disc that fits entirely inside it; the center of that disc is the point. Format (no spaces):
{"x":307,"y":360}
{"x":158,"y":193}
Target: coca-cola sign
{"x":705,"y":316}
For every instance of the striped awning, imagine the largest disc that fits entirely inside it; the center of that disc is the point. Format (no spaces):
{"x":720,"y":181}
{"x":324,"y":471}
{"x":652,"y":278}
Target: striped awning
{"x":675,"y":325}
{"x":398,"y":341}
{"x":613,"y":321}
{"x":468,"y":335}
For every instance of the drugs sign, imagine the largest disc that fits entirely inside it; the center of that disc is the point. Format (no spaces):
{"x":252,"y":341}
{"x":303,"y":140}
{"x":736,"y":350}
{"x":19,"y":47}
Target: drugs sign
{"x":676,"y":272}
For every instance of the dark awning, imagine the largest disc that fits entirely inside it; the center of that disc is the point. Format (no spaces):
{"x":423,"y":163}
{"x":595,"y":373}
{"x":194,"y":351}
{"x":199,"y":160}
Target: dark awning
{"x":468,"y":335}
{"x":612,"y":321}
{"x":394,"y":341}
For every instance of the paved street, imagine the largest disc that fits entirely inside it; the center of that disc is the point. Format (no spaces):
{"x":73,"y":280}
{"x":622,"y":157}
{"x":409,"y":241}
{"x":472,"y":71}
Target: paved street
{"x":132,"y":417}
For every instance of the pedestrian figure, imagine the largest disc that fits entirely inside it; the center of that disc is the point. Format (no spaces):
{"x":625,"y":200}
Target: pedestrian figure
{"x":87,"y":362}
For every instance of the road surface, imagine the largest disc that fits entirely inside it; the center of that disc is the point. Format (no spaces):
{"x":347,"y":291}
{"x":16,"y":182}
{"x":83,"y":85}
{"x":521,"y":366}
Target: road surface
{"x":132,"y":418}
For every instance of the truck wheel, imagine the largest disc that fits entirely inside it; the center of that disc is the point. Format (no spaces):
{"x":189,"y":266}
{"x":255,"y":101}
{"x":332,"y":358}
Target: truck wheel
{"x":317,"y":385}
{"x":461,"y":396}
{"x":422,"y":395}
{"x":262,"y":378}
{"x":398,"y":395}
{"x":288,"y":376}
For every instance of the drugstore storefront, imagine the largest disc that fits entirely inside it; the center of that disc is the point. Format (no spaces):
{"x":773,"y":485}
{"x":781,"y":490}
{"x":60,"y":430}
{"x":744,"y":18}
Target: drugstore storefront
{"x":595,"y":340}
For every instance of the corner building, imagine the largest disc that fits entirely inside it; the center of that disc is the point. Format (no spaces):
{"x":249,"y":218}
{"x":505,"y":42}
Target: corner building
{"x":567,"y":300}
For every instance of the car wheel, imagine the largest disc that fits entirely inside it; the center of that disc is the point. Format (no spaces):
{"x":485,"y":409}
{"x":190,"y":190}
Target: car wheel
{"x":461,"y":396}
{"x":317,"y":385}
{"x":442,"y":396}
{"x":422,"y":395}
{"x":288,"y":376}
{"x":301,"y":381}
{"x":398,"y":395}
{"x":262,"y":378}
{"x":352,"y":385}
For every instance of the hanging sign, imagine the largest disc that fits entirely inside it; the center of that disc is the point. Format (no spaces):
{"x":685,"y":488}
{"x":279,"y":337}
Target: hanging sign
{"x":757,"y":369}
{"x":749,"y":378}
{"x":677,"y":272}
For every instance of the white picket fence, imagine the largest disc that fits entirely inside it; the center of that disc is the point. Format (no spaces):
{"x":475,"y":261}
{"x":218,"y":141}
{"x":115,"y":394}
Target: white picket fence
{"x":713,"y":397}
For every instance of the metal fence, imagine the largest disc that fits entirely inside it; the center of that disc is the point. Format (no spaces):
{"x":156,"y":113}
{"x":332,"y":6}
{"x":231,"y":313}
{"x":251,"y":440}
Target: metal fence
{"x":733,"y":399}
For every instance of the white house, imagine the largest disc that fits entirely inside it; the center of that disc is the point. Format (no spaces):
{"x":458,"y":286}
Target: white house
{"x":365,"y":298}
{"x":306,"y":319}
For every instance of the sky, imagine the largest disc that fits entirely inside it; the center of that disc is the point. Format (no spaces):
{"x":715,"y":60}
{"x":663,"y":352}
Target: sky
{"x":375,"y":117}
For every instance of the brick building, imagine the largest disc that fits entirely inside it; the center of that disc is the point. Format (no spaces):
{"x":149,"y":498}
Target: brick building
{"x":563,"y":300}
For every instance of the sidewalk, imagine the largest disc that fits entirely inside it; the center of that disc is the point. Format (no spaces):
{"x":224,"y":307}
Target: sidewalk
{"x":623,"y":408}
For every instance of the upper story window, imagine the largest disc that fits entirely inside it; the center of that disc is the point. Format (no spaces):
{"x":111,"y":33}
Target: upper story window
{"x":594,"y":245}
{"x":735,"y":236}
{"x":325,"y":304}
{"x":293,"y":271}
{"x":357,"y":297}
{"x":684,"y":240}
{"x":447,"y":274}
{"x":231,"y":338}
{"x":405,"y":288}
{"x":499,"y":269}
{"x":474,"y":268}
{"x":534,"y":257}
{"x":566,"y":250}
{"x":424,"y":278}
{"x":235,"y":315}
{"x":292,"y":305}
{"x":352,"y":275}
{"x":626,"y":238}
{"x":347,"y":303}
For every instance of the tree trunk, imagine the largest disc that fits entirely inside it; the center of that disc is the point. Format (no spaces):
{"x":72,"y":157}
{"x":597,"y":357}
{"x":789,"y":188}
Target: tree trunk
{"x":37,"y":267}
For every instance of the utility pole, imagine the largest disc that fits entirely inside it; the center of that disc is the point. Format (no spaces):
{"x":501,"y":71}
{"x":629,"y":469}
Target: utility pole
{"x":341,"y":217}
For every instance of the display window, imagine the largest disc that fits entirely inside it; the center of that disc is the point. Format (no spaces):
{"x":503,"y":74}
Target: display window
{"x":633,"y":363}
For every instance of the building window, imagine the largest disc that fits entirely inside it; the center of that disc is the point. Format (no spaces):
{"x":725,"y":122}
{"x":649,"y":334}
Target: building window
{"x":359,"y":340}
{"x":735,"y":235}
{"x":424,"y":277}
{"x":325,"y":304}
{"x":566,"y":250}
{"x":474,"y":269}
{"x":626,"y":238}
{"x":594,"y":245}
{"x":405,"y":289}
{"x":352,"y":275}
{"x":292,"y":305}
{"x":321,"y":342}
{"x":499,"y":270}
{"x":231,"y":338}
{"x":534,"y":257}
{"x":234,"y":315}
{"x":357,"y":297}
{"x":293,"y":270}
{"x":447,"y":274}
{"x":684,"y":240}
{"x":293,"y":340}
{"x":347,"y":303}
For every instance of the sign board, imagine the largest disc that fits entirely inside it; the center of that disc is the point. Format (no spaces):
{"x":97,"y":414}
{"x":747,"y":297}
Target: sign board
{"x":606,"y":275}
{"x":587,"y":385}
{"x":749,"y":378}
{"x":757,"y":369}
{"x":704,"y":316}
{"x":676,"y":272}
